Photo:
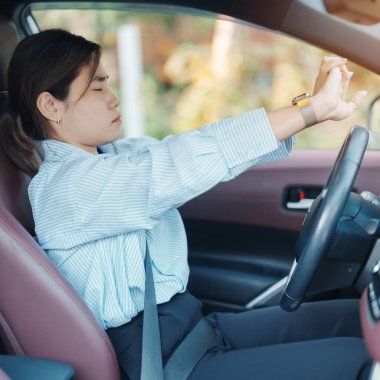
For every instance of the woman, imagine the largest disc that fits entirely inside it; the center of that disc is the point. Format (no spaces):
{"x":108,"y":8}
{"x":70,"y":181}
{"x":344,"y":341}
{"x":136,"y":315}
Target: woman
{"x":99,"y":202}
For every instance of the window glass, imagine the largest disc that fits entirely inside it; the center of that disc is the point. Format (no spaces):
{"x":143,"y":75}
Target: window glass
{"x":176,"y":72}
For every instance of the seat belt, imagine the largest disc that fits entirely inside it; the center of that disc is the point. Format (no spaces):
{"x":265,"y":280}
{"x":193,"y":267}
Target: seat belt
{"x":151,"y":362}
{"x":190,"y":351}
{"x":187,"y":354}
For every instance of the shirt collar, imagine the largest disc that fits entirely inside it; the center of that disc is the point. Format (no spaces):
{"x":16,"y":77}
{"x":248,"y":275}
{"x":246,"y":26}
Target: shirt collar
{"x":58,"y":151}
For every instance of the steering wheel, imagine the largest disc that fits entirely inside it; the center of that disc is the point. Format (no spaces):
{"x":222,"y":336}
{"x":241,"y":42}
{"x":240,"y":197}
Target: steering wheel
{"x":322,"y":218}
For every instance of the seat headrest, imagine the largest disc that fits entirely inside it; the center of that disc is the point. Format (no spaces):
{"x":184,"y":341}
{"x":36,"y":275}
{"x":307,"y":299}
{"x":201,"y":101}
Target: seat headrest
{"x":9,"y":39}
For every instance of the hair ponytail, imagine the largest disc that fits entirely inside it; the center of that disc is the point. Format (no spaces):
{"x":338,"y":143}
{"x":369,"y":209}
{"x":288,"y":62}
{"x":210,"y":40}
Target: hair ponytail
{"x":18,"y":147}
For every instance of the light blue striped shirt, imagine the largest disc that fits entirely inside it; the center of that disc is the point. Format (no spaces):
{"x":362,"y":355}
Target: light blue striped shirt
{"x":93,"y":213}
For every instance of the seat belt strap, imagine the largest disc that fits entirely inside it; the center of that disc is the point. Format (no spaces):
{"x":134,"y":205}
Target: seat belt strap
{"x":190,"y":351}
{"x":187,"y":354}
{"x":151,"y":362}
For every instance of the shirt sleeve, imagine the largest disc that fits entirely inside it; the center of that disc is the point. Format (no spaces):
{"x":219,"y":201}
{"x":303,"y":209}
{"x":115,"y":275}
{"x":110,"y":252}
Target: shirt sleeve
{"x":116,"y":193}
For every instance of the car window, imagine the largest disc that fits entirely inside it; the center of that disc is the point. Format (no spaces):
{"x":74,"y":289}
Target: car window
{"x":174,"y":72}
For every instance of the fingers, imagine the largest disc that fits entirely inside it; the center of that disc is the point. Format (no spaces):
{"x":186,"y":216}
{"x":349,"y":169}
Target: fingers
{"x":331,"y":85}
{"x":358,"y":99}
{"x":329,"y":63}
{"x":337,"y":81}
{"x":333,"y":81}
{"x":345,"y":73}
{"x":346,"y":77}
{"x":334,"y":58}
{"x":348,"y":108}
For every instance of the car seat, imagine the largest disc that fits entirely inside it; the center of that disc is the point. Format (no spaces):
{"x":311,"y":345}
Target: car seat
{"x":40,"y":313}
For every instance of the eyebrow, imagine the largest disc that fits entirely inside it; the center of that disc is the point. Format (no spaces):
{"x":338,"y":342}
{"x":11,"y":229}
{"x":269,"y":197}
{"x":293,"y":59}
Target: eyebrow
{"x":100,"y":78}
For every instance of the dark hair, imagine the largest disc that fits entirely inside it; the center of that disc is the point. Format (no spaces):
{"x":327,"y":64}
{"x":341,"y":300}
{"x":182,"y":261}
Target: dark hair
{"x":46,"y":61}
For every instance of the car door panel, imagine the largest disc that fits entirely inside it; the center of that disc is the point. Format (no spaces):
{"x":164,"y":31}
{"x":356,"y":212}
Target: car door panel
{"x":241,"y":237}
{"x":231,"y":263}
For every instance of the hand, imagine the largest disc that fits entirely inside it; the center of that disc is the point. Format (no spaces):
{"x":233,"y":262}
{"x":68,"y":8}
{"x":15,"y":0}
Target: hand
{"x":330,"y":90}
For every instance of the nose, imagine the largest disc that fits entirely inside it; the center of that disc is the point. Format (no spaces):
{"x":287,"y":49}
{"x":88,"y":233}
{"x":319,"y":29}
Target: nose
{"x":114,"y":101}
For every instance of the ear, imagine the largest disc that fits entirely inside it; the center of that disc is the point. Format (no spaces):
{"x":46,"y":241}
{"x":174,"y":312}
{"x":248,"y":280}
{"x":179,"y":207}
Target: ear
{"x":50,"y":107}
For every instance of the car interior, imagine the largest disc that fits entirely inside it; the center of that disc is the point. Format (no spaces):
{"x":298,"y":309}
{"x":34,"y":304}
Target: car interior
{"x":294,"y":231}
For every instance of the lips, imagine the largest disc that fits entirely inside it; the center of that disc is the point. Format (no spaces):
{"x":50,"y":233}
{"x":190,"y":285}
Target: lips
{"x":117,"y":119}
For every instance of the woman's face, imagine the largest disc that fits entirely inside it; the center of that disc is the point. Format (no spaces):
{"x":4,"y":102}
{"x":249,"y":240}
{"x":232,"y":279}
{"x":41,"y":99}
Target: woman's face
{"x":89,"y":117}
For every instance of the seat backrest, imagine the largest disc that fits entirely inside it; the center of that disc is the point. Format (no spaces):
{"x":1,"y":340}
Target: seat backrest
{"x":40,"y":313}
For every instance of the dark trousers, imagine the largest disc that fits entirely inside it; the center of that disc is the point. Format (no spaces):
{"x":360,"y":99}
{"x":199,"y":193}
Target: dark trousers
{"x":320,"y":341}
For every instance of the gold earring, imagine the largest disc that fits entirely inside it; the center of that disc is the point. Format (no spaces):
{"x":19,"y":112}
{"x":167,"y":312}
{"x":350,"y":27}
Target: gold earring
{"x":59,"y":122}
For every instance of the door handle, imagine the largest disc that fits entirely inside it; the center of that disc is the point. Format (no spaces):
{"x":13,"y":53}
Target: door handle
{"x":300,"y":198}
